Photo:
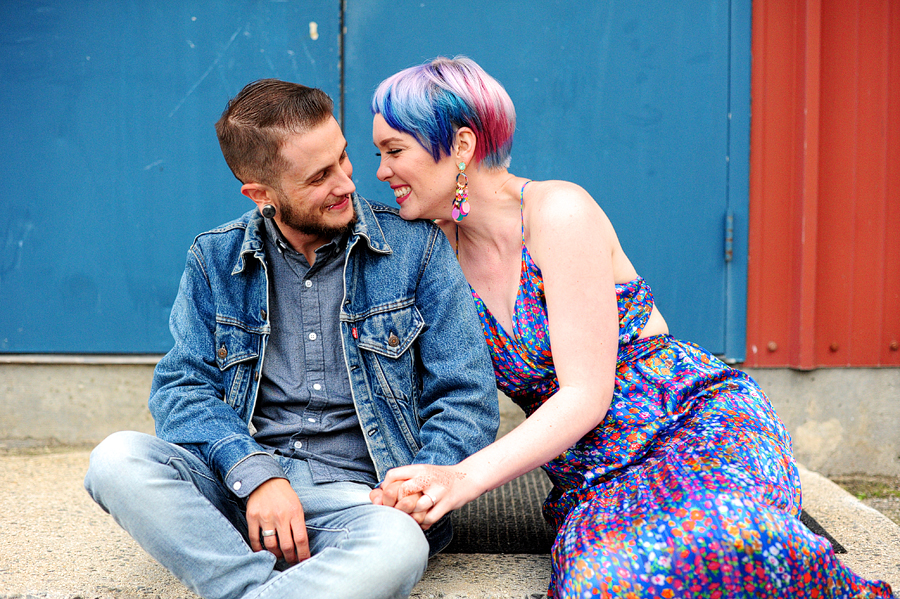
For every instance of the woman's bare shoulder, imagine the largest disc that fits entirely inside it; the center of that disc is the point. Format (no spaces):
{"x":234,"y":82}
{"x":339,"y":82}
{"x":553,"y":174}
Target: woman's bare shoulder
{"x":564,"y":214}
{"x":563,"y":206}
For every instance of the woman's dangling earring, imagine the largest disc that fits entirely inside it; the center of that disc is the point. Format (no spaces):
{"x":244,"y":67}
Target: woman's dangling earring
{"x":461,"y":197}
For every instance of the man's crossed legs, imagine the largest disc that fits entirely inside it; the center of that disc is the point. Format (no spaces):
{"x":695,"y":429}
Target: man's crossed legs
{"x":177,"y":510}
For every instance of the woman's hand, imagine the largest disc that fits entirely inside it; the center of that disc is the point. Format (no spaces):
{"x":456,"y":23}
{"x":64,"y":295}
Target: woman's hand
{"x":377,"y":496}
{"x":423,"y":491}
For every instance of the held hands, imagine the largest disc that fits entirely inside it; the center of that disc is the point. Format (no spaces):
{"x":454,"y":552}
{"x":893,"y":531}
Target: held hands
{"x":423,"y":491}
{"x":274,"y":506}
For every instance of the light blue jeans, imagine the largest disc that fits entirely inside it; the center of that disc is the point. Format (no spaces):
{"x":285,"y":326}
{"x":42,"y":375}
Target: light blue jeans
{"x":177,"y":510}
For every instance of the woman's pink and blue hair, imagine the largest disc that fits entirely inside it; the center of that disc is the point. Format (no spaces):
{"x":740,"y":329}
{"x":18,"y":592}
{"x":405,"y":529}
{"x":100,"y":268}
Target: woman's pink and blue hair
{"x":431,"y":101}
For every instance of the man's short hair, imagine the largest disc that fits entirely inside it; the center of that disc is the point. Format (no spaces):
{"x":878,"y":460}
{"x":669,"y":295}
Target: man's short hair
{"x":256,"y":122}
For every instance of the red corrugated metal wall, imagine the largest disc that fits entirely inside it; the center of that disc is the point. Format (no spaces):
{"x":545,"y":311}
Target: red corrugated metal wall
{"x":824,"y":246}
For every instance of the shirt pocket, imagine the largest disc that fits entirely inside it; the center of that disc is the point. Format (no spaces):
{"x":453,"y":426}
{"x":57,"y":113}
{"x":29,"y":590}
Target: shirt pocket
{"x":387,"y":339}
{"x":237,"y":353}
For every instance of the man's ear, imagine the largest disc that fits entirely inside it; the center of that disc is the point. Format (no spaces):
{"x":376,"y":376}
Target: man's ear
{"x":260,"y":194}
{"x":465,"y":144}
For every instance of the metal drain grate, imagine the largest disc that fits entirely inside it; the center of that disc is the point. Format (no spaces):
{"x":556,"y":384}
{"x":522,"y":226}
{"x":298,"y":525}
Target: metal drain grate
{"x":508,"y":520}
{"x":505,"y":520}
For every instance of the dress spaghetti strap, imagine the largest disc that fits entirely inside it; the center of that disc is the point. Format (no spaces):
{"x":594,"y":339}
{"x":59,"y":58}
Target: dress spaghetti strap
{"x":521,"y":210}
{"x":521,"y":218}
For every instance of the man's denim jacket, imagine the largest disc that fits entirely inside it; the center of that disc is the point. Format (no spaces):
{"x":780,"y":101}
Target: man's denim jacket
{"x":419,"y":366}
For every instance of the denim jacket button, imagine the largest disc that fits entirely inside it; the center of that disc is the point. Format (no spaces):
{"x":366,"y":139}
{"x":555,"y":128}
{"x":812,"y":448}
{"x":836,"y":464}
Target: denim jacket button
{"x":223,"y":353}
{"x":263,"y":314}
{"x":393,"y":340}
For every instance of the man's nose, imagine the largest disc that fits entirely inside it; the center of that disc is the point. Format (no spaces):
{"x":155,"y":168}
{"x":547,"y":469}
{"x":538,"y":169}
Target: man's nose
{"x":346,"y":185}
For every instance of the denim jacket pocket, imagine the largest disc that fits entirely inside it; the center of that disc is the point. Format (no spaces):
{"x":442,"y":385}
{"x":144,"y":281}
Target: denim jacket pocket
{"x":237,"y":352}
{"x":387,"y":343}
{"x":391,"y":330}
{"x":387,"y":337}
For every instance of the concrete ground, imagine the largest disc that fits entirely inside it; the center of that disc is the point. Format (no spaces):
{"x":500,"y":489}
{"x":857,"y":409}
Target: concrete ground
{"x":879,"y":492}
{"x":55,"y":543}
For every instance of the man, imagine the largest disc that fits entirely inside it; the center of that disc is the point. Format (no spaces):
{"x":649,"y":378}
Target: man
{"x":319,"y":341}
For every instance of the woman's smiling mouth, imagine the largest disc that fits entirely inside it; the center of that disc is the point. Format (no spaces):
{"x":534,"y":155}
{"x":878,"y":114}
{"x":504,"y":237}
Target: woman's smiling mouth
{"x":401,"y":192}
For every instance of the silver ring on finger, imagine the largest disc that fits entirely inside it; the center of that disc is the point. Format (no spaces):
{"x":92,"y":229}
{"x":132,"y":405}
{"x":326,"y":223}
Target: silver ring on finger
{"x":433,"y":501}
{"x":268,"y":533}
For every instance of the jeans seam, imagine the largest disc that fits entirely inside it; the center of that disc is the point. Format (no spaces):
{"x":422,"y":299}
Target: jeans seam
{"x":219,"y":514}
{"x":344,"y":530}
{"x":188,"y":466}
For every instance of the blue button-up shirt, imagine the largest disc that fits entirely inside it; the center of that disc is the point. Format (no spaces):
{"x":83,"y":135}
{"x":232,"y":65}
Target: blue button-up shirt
{"x":305,"y":408}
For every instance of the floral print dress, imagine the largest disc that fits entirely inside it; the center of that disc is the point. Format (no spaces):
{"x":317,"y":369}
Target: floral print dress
{"x":687,"y":488}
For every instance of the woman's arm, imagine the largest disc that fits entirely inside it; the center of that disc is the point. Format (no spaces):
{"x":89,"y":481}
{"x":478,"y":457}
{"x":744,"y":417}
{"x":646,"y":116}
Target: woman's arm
{"x":571,"y":241}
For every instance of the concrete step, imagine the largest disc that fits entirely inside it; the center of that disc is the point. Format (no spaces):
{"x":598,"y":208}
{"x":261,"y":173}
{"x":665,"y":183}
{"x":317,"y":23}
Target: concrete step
{"x":55,"y":543}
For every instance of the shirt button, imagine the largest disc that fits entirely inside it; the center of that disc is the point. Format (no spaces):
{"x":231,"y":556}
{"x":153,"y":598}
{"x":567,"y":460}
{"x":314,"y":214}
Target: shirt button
{"x":298,"y":445}
{"x":317,"y":387}
{"x":311,"y":419}
{"x":236,"y":486}
{"x":308,"y":283}
{"x":312,"y":337}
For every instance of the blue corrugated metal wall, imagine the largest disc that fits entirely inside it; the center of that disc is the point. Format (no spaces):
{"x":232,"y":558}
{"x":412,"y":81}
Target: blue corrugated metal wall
{"x":112,"y":163}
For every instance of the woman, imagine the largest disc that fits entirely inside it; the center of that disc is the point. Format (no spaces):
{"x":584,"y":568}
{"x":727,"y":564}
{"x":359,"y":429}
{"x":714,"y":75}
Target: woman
{"x":672,"y":474}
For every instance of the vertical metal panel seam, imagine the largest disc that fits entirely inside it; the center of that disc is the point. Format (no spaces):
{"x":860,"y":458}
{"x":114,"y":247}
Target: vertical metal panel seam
{"x":804,"y":334}
{"x":855,"y":125}
{"x":342,"y":32}
{"x":757,"y":167}
{"x":737,"y":166}
{"x":888,"y":355}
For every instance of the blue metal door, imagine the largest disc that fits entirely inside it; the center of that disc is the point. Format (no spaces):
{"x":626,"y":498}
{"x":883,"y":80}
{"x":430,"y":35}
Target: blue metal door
{"x":111,"y":162}
{"x":644,"y":104}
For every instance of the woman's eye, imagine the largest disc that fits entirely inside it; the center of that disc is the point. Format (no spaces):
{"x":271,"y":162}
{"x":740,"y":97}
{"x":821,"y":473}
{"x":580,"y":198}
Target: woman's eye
{"x":389,"y":152}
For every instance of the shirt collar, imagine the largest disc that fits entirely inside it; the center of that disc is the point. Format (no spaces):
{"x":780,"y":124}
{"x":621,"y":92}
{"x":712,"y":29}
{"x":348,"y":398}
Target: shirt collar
{"x":325,"y":251}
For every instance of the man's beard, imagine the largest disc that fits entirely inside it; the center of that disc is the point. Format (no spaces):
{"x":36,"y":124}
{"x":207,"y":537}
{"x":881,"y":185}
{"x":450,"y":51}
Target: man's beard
{"x":309,"y":224}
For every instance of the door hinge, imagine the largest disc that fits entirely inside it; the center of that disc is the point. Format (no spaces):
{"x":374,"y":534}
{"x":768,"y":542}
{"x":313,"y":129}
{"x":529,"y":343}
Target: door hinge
{"x":729,"y":236}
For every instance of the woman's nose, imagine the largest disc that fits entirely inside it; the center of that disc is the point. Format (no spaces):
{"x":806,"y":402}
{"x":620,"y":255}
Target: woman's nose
{"x":383,"y":173}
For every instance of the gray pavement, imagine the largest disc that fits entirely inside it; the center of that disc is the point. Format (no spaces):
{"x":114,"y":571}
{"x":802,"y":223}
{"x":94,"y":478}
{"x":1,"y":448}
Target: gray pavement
{"x":56,"y":543}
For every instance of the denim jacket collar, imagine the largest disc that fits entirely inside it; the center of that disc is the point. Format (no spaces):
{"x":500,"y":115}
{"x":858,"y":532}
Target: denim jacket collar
{"x":366,"y":227}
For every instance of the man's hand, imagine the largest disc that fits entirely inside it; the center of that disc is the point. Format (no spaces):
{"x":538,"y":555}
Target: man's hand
{"x":423,"y":491}
{"x":380,"y":497}
{"x":275,"y":506}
